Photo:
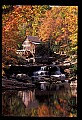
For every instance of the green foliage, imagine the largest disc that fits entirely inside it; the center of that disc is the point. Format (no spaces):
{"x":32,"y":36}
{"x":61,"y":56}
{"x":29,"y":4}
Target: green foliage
{"x":74,"y":67}
{"x":50,"y":24}
{"x":17,"y":24}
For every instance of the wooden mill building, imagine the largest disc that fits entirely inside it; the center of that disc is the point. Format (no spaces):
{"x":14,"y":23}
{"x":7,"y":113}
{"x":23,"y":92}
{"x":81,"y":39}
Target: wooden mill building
{"x":29,"y":46}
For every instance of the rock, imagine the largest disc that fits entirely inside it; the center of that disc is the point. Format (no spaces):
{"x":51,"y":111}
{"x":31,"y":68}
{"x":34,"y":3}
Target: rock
{"x":67,"y":71}
{"x":22,"y":76}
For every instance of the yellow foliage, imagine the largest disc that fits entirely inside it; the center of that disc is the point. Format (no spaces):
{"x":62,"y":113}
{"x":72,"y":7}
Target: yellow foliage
{"x":71,"y":115}
{"x":73,"y":38}
{"x":3,"y":73}
{"x":63,"y":29}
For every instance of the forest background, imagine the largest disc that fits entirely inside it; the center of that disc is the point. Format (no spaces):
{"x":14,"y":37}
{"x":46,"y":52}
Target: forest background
{"x":56,"y":25}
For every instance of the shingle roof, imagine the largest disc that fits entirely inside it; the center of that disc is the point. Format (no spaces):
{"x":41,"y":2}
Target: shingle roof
{"x":33,"y":39}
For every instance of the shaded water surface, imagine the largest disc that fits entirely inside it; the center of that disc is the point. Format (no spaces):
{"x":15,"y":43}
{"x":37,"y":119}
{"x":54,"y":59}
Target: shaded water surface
{"x":38,"y":103}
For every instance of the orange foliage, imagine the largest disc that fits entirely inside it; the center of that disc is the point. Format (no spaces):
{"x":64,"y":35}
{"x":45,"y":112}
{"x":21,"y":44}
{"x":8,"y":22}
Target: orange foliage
{"x":60,"y":108}
{"x":43,"y":111}
{"x":60,"y":100}
{"x":60,"y":24}
{"x":55,"y":24}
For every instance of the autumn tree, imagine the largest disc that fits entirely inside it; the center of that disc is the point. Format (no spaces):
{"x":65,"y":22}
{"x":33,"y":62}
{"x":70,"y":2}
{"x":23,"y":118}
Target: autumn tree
{"x":23,"y":20}
{"x":60,"y":25}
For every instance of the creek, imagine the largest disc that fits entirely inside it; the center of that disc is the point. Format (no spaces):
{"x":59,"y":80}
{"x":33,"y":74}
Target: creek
{"x":40,"y":103}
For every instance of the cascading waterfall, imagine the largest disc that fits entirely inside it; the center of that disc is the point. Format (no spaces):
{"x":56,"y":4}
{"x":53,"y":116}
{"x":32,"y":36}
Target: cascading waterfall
{"x":43,"y":74}
{"x":42,"y":71}
{"x":43,"y":68}
{"x":58,"y":72}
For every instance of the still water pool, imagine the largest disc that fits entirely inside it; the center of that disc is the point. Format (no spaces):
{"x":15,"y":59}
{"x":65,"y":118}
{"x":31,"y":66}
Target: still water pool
{"x":39,"y":103}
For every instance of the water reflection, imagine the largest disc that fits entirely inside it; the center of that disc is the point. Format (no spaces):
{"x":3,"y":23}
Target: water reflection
{"x":59,"y":103}
{"x":28,"y":98}
{"x":74,"y":93}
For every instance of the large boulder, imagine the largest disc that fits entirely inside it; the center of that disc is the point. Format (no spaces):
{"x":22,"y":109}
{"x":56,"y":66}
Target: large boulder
{"x":22,"y":76}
